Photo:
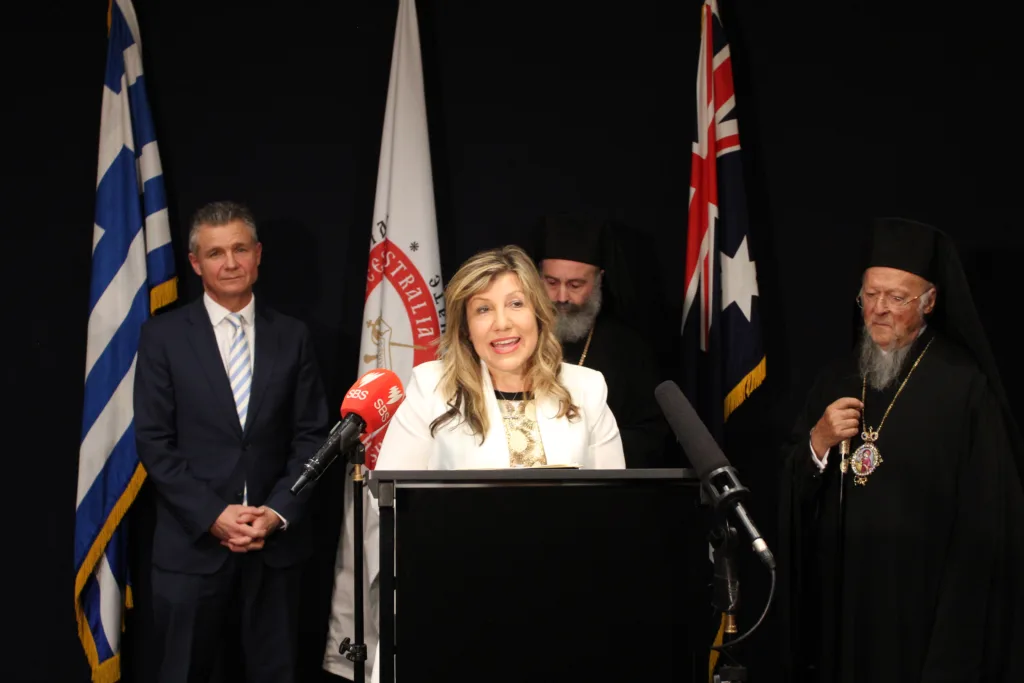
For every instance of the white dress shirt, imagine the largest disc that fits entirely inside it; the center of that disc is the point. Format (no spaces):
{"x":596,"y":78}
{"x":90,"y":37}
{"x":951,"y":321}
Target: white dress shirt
{"x":224,"y":330}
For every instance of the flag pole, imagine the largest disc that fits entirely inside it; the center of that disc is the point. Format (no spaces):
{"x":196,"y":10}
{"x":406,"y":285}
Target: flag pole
{"x":355,"y":652}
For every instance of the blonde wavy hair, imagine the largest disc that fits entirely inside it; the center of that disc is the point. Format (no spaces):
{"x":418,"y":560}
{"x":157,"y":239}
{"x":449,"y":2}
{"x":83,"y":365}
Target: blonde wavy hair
{"x":461,"y":381}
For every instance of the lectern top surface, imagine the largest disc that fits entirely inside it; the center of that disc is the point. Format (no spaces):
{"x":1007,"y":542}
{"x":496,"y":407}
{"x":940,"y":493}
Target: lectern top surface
{"x":562,"y":475}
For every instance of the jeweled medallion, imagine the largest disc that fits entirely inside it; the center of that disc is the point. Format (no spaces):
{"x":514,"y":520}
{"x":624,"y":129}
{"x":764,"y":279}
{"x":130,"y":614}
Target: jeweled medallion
{"x":864,"y":461}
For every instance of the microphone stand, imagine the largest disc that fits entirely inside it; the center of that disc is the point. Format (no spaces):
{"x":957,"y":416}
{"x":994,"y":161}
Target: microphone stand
{"x":724,"y":538}
{"x":356,"y":652}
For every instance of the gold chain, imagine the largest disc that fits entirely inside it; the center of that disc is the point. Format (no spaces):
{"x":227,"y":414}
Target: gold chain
{"x":513,"y":410}
{"x":586,"y":346}
{"x":873,"y":435}
{"x":514,"y":417}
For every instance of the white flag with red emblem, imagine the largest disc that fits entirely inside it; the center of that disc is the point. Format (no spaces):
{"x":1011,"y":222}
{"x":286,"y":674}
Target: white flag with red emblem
{"x":403,"y":313}
{"x":403,"y":316}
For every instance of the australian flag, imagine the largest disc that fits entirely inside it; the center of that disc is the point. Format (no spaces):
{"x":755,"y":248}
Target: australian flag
{"x":724,"y":357}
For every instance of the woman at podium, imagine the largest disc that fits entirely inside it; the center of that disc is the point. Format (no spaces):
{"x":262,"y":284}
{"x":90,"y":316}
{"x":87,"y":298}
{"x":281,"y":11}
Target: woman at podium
{"x":499,"y":395}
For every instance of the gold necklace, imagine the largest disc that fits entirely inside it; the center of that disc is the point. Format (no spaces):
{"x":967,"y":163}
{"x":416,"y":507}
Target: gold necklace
{"x":512,"y":410}
{"x":514,"y":403}
{"x":586,"y":346}
{"x":867,"y":458}
{"x":517,"y":423}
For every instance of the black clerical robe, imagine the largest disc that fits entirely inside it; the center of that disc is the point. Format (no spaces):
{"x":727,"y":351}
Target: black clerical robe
{"x":628,"y":365}
{"x":913,"y":576}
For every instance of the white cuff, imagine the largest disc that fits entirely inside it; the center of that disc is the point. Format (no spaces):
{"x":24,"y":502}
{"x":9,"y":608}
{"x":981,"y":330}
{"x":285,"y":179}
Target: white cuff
{"x":823,"y":461}
{"x":284,"y":522}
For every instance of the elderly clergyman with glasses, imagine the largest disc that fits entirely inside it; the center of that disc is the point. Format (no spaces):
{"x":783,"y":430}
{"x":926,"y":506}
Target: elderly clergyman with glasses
{"x":902,"y":511}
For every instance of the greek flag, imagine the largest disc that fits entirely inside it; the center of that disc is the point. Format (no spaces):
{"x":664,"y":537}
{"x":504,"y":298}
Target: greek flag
{"x":132,"y":276}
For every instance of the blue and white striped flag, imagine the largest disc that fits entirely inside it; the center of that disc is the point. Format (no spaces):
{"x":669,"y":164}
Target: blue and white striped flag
{"x":132,"y":276}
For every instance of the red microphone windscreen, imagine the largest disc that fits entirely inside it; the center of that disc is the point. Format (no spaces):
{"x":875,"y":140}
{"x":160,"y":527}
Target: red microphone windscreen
{"x":374,"y":397}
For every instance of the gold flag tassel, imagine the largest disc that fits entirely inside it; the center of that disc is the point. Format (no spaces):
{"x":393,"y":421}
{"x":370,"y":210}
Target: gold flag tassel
{"x":713,"y":660}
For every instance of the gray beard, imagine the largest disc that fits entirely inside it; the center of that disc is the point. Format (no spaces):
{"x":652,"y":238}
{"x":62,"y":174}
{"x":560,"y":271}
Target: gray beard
{"x":881,"y":368}
{"x":572,"y":322}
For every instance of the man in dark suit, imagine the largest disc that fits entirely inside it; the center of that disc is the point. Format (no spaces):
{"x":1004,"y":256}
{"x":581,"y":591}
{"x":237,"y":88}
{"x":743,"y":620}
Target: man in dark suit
{"x":228,"y":406}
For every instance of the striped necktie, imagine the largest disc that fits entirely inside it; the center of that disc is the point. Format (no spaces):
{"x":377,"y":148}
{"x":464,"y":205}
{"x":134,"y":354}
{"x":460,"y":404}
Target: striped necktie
{"x":239,"y":367}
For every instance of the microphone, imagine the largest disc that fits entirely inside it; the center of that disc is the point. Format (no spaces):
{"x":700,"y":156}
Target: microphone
{"x":716,"y":474}
{"x":369,"y":405}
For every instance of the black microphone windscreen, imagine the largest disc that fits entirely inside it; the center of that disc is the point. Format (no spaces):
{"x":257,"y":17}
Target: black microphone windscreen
{"x":700,"y":447}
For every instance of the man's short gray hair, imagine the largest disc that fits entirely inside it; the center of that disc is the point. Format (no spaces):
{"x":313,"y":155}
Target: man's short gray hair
{"x":220,"y":213}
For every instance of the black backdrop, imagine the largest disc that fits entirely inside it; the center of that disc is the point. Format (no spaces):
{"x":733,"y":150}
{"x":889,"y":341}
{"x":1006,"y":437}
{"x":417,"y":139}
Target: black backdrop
{"x":846,"y":110}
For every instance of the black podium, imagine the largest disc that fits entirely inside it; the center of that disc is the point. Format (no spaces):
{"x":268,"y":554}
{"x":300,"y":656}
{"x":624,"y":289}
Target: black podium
{"x":543,"y":575}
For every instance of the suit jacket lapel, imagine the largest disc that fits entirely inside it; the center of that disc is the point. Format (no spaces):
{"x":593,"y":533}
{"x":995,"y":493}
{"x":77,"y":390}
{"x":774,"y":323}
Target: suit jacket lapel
{"x":494,"y":452}
{"x":263,"y":364}
{"x":554,"y":432}
{"x":204,"y":343}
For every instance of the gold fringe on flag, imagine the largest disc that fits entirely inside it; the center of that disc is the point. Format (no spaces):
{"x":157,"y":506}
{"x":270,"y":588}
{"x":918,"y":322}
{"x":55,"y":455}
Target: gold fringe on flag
{"x":745,"y":388}
{"x":714,"y":653}
{"x":110,"y":670}
{"x":163,"y":294}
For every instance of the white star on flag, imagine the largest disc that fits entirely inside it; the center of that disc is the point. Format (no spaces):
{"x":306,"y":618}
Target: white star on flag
{"x":739,"y":279}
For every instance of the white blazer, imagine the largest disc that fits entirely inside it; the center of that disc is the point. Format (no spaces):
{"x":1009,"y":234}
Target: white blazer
{"x":591,"y":442}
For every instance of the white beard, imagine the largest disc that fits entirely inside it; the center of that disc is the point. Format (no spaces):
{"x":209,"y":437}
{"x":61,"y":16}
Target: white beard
{"x":572,"y":322}
{"x":880,"y":367}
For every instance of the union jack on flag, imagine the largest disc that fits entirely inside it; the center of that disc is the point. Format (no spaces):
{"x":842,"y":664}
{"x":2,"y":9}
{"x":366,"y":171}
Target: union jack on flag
{"x":724,"y":359}
{"x":132,"y":276}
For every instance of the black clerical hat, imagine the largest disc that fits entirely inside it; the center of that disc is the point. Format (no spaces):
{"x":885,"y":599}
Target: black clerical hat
{"x":573,"y":239}
{"x":611,"y":246}
{"x":905,"y":245}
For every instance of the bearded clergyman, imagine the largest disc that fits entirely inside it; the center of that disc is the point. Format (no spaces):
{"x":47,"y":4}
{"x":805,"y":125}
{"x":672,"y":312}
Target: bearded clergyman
{"x":902,"y":514}
{"x":588,"y":279}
